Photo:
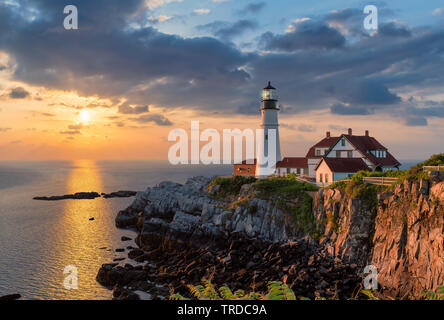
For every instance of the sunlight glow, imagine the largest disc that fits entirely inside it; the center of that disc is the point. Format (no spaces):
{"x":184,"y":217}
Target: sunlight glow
{"x":85,"y":116}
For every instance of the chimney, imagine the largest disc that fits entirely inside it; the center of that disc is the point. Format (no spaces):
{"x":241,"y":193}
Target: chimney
{"x":367,"y":133}
{"x":328,"y":134}
{"x":350,"y":131}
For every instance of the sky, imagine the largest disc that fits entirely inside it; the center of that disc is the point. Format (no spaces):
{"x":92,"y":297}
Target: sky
{"x":137,"y":69}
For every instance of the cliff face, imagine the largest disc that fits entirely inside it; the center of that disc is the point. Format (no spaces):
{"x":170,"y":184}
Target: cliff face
{"x":400,"y":232}
{"x":187,"y":213}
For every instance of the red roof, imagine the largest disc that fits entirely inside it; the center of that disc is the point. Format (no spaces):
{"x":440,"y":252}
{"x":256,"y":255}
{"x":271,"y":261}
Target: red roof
{"x":327,"y":142}
{"x":365,"y":144}
{"x":293,"y":162}
{"x":344,"y":164}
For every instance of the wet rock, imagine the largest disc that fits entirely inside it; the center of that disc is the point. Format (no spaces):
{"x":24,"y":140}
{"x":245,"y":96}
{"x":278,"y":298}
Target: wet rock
{"x":119,"y":194}
{"x":15,"y":296}
{"x":75,"y":196}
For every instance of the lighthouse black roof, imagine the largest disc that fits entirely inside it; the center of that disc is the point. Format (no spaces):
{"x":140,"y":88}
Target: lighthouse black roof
{"x":269,"y":87}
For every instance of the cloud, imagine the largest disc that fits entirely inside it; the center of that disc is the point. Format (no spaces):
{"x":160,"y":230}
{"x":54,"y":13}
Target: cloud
{"x":159,"y":19}
{"x":227,"y":30}
{"x":342,"y":109}
{"x":253,"y":7}
{"x":158,"y":119}
{"x":337,"y":127}
{"x":16,"y":142}
{"x":4,"y":129}
{"x":18,"y":93}
{"x":202,"y":11}
{"x":304,"y":34}
{"x":70,"y":132}
{"x":130,"y":109}
{"x":306,"y":128}
{"x":320,"y":62}
{"x":392,"y":29}
{"x":415,"y":121}
{"x":75,"y":126}
{"x":438,"y":12}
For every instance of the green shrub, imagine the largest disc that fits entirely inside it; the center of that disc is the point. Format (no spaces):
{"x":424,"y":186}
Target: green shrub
{"x":430,"y":295}
{"x":276,"y":291}
{"x":231,"y":185}
{"x":282,"y":187}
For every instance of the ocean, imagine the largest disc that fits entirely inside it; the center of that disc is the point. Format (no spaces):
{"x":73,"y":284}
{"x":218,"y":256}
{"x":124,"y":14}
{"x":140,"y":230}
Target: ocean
{"x":38,"y":239}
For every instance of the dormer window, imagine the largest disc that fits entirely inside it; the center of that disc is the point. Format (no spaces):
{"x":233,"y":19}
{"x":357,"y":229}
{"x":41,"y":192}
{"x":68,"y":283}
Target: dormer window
{"x":379,"y":153}
{"x":343,"y":142}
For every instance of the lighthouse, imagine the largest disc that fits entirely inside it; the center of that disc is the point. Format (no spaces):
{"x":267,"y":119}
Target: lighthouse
{"x":269,"y":143}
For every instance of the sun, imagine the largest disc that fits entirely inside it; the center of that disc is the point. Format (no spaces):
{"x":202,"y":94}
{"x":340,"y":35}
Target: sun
{"x":85,"y":116}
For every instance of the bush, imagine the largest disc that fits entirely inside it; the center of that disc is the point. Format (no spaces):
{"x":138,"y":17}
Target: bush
{"x":282,"y":187}
{"x":276,"y":291}
{"x":231,"y":185}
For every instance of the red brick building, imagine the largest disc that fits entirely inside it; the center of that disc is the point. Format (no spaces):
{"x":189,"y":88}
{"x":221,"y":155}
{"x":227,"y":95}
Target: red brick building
{"x":244,"y":169}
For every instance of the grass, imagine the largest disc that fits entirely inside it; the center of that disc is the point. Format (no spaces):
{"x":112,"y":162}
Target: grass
{"x":286,"y":193}
{"x":230,"y":186}
{"x":283,"y":187}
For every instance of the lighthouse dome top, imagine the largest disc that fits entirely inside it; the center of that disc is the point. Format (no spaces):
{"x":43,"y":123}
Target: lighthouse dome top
{"x":269,"y":93}
{"x":269,"y":87}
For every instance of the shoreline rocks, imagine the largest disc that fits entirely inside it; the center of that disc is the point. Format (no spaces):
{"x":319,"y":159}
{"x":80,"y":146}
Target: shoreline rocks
{"x":185,"y":234}
{"x":75,"y":196}
{"x":88,"y":196}
{"x":10,"y":297}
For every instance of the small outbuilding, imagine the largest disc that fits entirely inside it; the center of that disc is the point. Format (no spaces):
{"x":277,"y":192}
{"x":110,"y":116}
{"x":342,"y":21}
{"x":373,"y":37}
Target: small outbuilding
{"x":329,"y":170}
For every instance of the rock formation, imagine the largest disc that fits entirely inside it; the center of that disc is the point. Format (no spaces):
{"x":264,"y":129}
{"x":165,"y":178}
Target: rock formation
{"x":400,"y":232}
{"x":186,"y":232}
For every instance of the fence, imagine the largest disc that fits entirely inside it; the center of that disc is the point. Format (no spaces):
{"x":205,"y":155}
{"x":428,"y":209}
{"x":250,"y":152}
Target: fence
{"x":433,"y":168}
{"x":380,"y":181}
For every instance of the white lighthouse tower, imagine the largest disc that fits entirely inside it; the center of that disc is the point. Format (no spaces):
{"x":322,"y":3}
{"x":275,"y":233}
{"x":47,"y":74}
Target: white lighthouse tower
{"x":270,"y":141}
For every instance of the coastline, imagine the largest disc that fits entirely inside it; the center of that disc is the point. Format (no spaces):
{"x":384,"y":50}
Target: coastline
{"x":186,"y":234}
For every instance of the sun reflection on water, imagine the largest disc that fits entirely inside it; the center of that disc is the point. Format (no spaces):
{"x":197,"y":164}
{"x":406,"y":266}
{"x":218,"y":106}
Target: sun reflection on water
{"x":79,"y":241}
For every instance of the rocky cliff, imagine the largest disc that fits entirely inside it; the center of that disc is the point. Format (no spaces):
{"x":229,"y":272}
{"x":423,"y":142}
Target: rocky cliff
{"x":400,"y":231}
{"x":195,"y":230}
{"x":260,"y":233}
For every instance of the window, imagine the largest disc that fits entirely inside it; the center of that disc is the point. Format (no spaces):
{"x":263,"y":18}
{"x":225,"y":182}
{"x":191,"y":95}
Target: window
{"x":288,"y":170}
{"x":298,"y":171}
{"x":325,"y":151}
{"x":338,"y":154}
{"x":266,"y":137}
{"x":350,"y":154}
{"x":343,"y":142}
{"x":321,"y":176}
{"x":248,"y":170}
{"x":318,"y":152}
{"x":326,"y":178}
